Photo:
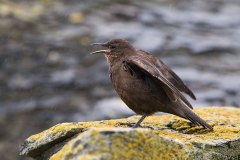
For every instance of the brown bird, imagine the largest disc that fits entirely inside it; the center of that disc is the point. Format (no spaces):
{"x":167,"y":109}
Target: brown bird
{"x":146,"y":84}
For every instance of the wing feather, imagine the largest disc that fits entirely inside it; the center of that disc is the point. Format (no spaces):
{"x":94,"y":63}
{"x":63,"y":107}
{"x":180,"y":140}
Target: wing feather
{"x":169,"y":74}
{"x":151,"y":69}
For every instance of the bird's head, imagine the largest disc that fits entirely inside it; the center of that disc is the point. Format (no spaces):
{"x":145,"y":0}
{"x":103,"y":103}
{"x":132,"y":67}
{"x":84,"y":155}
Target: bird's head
{"x":115,"y":48}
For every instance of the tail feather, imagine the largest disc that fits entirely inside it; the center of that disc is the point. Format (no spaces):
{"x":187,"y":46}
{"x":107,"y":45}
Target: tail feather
{"x":187,"y":113}
{"x":195,"y":119}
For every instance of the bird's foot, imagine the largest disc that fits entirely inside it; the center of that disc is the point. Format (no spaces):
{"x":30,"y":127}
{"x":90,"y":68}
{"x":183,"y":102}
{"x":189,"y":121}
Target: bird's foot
{"x":129,"y":124}
{"x":134,"y":125}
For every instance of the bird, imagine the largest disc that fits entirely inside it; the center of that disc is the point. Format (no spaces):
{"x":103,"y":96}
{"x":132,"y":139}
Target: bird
{"x":146,"y":84}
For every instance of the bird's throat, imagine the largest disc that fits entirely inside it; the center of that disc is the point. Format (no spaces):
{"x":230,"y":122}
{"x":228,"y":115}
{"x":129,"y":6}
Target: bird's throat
{"x":111,"y":59}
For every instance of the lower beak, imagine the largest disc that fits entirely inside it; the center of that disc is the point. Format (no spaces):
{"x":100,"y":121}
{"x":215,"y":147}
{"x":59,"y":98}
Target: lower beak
{"x":101,"y":51}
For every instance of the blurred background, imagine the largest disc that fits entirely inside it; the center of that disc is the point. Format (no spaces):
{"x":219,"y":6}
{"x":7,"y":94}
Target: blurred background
{"x":47,"y":75}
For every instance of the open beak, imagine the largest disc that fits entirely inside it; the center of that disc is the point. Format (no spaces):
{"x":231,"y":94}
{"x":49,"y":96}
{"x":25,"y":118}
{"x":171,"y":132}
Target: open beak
{"x":101,"y":51}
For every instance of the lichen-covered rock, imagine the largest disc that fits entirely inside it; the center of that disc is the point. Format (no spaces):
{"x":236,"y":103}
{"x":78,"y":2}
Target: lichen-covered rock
{"x":161,"y":137}
{"x":124,"y":143}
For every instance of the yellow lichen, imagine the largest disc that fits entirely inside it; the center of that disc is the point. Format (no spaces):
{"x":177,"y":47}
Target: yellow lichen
{"x":123,"y":144}
{"x":75,"y":146}
{"x":226,"y":122}
{"x":55,"y":130}
{"x":166,"y":134}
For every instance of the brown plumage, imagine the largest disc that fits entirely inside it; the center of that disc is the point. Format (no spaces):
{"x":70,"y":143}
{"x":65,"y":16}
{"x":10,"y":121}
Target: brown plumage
{"x":146,"y":84}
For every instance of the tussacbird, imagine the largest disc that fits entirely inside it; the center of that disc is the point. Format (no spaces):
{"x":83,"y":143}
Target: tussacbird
{"x":146,"y":84}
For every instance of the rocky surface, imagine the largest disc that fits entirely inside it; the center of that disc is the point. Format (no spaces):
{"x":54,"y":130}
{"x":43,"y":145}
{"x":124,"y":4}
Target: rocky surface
{"x":160,"y":137}
{"x":45,"y":65}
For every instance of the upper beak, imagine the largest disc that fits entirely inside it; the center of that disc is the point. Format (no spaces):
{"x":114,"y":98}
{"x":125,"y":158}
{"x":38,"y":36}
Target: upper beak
{"x":100,"y":51}
{"x":101,"y":44}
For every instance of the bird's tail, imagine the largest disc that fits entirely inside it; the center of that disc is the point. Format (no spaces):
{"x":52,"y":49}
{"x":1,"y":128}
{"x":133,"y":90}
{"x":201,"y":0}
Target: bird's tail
{"x":187,"y":113}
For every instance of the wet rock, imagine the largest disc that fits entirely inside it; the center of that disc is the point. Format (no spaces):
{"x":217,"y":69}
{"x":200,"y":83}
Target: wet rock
{"x":147,"y":17}
{"x":111,"y":108}
{"x":124,"y":11}
{"x":53,"y":58}
{"x":197,"y":30}
{"x":21,"y":106}
{"x":63,"y":77}
{"x":213,"y":97}
{"x":21,"y":82}
{"x":230,"y":83}
{"x":157,"y":40}
{"x":194,"y":75}
{"x":97,"y":73}
{"x":169,"y":137}
{"x":76,"y":17}
{"x":63,"y":35}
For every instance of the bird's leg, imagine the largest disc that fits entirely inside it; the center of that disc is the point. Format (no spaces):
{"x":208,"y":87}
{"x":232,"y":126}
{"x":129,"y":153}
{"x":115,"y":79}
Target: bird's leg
{"x":140,"y":120}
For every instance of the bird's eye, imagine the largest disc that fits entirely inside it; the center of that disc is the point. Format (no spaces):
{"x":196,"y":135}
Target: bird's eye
{"x":113,"y":46}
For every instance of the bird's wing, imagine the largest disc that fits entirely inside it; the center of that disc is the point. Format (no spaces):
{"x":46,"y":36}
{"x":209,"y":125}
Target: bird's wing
{"x":170,"y":75}
{"x":150,"y":69}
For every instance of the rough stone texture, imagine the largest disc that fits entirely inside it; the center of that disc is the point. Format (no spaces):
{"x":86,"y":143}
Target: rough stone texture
{"x":161,"y":137}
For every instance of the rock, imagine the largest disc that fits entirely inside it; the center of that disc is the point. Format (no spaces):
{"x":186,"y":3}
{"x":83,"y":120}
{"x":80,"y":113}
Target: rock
{"x":214,"y":96}
{"x":160,"y":137}
{"x":76,"y":17}
{"x":230,"y":82}
{"x":17,"y":107}
{"x":196,"y":26}
{"x":109,"y":109}
{"x":192,"y":75}
{"x":40,"y":142}
{"x":21,"y":82}
{"x":63,"y":77}
{"x":126,"y":12}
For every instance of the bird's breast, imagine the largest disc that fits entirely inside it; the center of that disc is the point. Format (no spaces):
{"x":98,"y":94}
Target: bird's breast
{"x":131,"y":89}
{"x":121,"y":79}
